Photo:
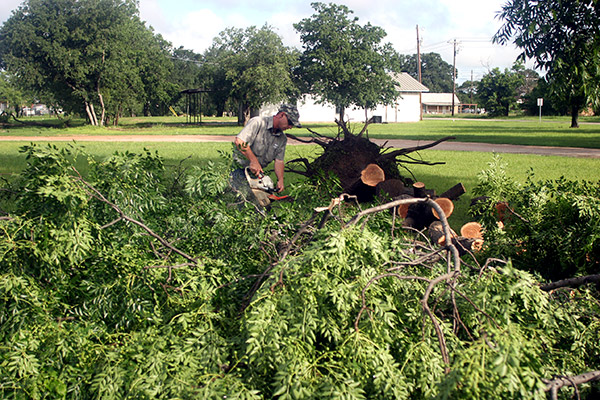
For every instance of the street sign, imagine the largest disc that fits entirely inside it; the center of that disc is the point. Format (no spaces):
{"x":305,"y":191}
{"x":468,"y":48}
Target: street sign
{"x":540,"y":102}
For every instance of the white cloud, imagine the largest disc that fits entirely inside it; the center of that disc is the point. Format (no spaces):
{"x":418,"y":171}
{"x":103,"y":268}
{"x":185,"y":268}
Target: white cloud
{"x":7,"y":8}
{"x":195,"y":30}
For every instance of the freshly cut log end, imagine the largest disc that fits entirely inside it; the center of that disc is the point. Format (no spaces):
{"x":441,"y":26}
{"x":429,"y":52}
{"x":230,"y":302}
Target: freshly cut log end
{"x":436,"y":233}
{"x":465,"y":245}
{"x":472,"y":230}
{"x":446,"y":205}
{"x":403,"y":210}
{"x":372,"y":175}
{"x":477,"y":245}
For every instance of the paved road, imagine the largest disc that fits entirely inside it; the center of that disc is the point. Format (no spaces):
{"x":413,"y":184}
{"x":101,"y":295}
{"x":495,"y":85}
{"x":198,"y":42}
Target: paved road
{"x":396,"y":143}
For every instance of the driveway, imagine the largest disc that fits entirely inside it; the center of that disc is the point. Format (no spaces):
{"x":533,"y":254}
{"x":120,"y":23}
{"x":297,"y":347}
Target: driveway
{"x":396,"y":143}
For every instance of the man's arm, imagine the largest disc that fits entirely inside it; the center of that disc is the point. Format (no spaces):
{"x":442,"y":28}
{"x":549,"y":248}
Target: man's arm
{"x":244,"y":148}
{"x":279,"y":168}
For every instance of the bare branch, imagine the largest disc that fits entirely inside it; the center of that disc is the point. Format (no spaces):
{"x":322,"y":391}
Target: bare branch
{"x":572,"y":282}
{"x":553,"y":385}
{"x":408,"y":150}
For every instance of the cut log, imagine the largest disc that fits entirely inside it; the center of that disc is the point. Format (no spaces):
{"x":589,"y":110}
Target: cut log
{"x":436,"y":233}
{"x":454,"y":192}
{"x":402,"y":209}
{"x":446,"y":205}
{"x":419,"y":190}
{"x":462,"y":244}
{"x":392,"y":188}
{"x":418,"y":216}
{"x":465,"y":245}
{"x":471,"y":230}
{"x":372,"y":174}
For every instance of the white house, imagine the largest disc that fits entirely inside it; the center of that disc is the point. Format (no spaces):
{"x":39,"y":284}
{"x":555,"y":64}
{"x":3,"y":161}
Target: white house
{"x":406,"y":109}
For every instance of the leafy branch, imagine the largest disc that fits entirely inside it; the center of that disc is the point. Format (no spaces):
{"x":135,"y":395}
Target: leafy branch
{"x":92,"y":191}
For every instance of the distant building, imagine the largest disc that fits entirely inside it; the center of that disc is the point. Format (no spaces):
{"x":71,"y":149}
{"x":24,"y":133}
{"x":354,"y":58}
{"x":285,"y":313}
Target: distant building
{"x":439,"y":103}
{"x":36,"y":109}
{"x":407,"y":107}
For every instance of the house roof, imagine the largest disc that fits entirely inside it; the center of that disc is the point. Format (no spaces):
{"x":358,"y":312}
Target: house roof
{"x":407,"y":83}
{"x":439,"y":99}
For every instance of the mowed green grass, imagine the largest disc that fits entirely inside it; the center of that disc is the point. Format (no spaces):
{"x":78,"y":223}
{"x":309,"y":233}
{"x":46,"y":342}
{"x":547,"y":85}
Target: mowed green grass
{"x":462,"y":167}
{"x":550,"y":132}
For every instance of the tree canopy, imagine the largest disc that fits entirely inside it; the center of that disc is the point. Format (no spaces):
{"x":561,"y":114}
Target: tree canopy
{"x":436,"y":73}
{"x":92,"y":56}
{"x":497,"y":90}
{"x":563,"y":37}
{"x":253,"y":65}
{"x":344,"y":63}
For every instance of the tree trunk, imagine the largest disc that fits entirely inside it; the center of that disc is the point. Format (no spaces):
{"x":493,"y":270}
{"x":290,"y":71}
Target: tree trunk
{"x":574,"y":116}
{"x":103,"y":113}
{"x":89,"y":109}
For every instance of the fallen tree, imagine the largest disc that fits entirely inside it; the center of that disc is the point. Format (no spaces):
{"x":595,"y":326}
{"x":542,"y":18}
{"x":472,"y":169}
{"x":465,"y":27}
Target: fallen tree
{"x":123,"y":283}
{"x":358,"y":163}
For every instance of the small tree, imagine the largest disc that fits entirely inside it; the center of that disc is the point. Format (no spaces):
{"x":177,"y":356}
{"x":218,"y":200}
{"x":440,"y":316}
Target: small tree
{"x":344,"y":63}
{"x":497,"y":91}
{"x":255,"y":65}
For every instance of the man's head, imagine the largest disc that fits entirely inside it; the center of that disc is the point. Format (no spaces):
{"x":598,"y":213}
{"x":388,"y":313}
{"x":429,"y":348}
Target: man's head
{"x":292,"y":114}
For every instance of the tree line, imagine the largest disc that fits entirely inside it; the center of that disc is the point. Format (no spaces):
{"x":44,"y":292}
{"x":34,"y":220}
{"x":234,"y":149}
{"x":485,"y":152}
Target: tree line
{"x":98,"y":59}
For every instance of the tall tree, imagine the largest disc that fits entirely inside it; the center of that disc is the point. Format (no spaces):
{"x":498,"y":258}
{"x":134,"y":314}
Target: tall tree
{"x":256,"y":66}
{"x":497,"y":90}
{"x":90,"y":55}
{"x":436,"y":73}
{"x":344,"y":63}
{"x":563,"y":37}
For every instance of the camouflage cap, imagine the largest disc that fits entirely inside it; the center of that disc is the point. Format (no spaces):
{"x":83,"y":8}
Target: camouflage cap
{"x":292,"y":113}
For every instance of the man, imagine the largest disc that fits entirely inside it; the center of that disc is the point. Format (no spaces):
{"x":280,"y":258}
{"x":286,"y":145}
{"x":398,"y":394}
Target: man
{"x":262,"y":141}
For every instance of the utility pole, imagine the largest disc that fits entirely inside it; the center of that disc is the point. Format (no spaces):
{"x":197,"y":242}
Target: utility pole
{"x":472,"y":89}
{"x":453,"y":77}
{"x":418,"y":56}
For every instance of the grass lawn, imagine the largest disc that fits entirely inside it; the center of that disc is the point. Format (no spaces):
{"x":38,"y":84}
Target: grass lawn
{"x":550,"y":132}
{"x":460,"y":166}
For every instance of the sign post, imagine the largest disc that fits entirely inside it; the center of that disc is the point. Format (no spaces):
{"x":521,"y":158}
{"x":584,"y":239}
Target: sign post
{"x":540,"y":103}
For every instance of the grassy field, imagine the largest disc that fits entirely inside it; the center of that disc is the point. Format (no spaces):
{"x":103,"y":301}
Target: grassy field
{"x":529,"y":131}
{"x":459,"y":166}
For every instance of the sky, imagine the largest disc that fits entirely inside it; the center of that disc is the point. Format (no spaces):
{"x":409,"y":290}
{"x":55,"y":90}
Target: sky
{"x":194,"y":24}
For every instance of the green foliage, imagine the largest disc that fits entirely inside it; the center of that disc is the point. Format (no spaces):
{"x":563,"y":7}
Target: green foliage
{"x":253,"y":66}
{"x":436,"y":74}
{"x":497,"y":91}
{"x":562,"y":38}
{"x":88,"y":56}
{"x":91,"y":306}
{"x":344,"y":63}
{"x":552,"y":227}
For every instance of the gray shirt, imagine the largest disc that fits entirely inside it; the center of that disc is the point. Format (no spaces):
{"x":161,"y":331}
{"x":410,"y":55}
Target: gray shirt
{"x":266,"y":144}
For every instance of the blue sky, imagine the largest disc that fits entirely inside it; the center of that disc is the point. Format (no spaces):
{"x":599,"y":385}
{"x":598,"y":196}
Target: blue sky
{"x":193,"y":24}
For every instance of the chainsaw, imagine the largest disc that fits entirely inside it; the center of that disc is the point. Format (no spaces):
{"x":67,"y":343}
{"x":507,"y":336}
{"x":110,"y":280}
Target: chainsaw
{"x":263,"y":188}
